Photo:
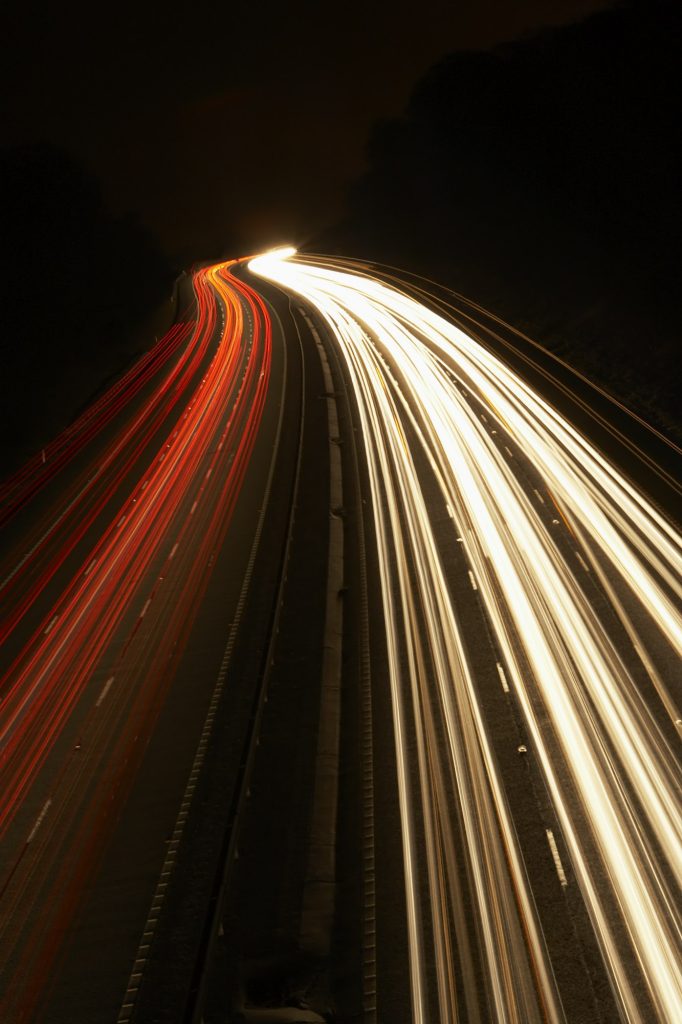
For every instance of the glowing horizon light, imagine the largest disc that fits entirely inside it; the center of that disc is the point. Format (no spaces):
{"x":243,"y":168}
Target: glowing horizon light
{"x":282,"y":252}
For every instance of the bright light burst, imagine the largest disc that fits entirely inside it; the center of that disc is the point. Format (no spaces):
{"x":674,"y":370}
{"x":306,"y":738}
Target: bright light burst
{"x":273,"y":256}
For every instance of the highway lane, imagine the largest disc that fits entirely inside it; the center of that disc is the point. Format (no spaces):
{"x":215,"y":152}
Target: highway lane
{"x":82,"y":695}
{"x":578,"y":579}
{"x":66,"y":490}
{"x":635,"y":446}
{"x":172,"y":987}
{"x":261,"y":952}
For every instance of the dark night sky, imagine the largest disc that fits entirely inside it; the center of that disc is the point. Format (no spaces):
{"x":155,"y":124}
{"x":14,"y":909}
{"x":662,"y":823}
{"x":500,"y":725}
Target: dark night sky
{"x":235,"y":121}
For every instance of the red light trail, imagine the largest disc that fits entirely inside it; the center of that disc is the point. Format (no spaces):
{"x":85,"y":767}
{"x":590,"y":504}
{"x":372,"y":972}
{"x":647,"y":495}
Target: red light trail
{"x":154,"y":471}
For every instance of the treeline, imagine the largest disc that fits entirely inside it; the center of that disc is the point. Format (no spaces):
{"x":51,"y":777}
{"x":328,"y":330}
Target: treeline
{"x":75,"y":283}
{"x":543,"y":178}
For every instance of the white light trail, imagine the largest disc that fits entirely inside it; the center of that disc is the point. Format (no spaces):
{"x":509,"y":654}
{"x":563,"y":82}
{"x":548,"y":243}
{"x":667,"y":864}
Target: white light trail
{"x":574,"y":655}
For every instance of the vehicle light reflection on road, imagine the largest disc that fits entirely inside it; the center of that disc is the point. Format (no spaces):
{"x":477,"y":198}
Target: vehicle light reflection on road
{"x":545,"y":523}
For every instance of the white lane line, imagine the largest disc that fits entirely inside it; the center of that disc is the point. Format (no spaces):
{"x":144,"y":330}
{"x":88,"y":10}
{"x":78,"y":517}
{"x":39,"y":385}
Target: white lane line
{"x":50,"y":625}
{"x":583,"y":562}
{"x":473,"y":580}
{"x":538,"y":496}
{"x":450,"y":512}
{"x":39,"y":820}
{"x":509,"y":452}
{"x":90,"y":567}
{"x":120,"y":522}
{"x":105,"y":691}
{"x":208,"y":472}
{"x":144,"y":610}
{"x":191,"y":511}
{"x":556,"y":858}
{"x":503,"y":678}
{"x":175,"y":548}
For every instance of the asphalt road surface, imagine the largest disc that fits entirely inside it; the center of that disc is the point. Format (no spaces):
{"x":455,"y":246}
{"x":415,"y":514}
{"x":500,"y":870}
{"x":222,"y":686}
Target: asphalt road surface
{"x":531,"y":611}
{"x":508,"y":841}
{"x":126,"y":558}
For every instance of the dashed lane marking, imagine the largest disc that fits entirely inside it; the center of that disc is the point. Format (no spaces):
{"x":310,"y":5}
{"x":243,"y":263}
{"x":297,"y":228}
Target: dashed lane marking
{"x":556,"y":858}
{"x":39,"y":820}
{"x":50,"y":625}
{"x":582,"y":561}
{"x":105,"y":691}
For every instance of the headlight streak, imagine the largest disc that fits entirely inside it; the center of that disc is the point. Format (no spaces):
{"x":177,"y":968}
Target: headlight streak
{"x":593,"y":732}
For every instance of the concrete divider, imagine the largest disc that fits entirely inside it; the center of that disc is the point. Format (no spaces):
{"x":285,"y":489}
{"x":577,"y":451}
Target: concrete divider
{"x":317,"y":911}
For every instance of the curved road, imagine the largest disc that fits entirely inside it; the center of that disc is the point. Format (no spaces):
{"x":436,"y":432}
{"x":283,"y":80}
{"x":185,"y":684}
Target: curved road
{"x":483,"y":495}
{"x":525,"y":630}
{"x":158,"y":484}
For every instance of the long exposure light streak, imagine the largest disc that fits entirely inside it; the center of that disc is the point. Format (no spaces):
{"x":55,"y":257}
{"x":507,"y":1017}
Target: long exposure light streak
{"x":143,"y":516}
{"x":580,"y":578}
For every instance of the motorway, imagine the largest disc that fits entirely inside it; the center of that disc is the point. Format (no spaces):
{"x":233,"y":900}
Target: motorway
{"x":116,"y":533}
{"x":483,"y":495}
{"x":509,"y":840}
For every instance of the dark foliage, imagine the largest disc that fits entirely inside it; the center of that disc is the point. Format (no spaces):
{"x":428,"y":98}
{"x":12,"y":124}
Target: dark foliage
{"x":75,"y":282}
{"x":543,"y":179}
